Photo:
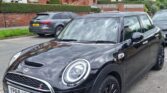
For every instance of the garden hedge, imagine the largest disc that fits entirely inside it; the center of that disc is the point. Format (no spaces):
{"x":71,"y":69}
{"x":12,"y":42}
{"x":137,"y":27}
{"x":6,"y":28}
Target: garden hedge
{"x":31,"y":8}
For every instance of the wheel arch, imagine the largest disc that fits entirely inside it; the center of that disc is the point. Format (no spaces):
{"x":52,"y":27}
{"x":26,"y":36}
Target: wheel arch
{"x":109,"y":69}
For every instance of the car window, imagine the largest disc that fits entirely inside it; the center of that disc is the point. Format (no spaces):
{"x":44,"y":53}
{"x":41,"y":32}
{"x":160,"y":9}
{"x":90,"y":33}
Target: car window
{"x":65,"y":16}
{"x":131,"y":25}
{"x":57,"y":16}
{"x":147,"y":25}
{"x":42,"y":17}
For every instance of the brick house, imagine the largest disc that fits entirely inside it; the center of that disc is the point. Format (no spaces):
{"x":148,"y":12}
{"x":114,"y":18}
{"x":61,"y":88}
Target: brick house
{"x":79,"y":2}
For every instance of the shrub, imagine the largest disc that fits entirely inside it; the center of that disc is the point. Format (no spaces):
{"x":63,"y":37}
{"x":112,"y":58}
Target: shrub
{"x":54,"y":2}
{"x":36,"y":8}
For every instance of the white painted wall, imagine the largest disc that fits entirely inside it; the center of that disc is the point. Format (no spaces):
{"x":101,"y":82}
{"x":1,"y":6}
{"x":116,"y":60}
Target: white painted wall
{"x":7,"y":1}
{"x":19,"y":1}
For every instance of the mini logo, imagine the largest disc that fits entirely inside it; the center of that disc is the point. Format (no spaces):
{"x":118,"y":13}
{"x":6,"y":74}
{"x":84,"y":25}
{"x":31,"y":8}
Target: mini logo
{"x":25,"y":70}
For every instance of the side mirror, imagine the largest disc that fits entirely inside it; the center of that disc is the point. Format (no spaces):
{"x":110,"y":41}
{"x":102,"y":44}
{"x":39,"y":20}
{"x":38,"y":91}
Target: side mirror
{"x":137,"y":36}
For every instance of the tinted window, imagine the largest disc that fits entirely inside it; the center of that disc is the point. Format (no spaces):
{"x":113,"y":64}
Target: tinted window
{"x":146,"y":23}
{"x":131,"y":25}
{"x":57,"y":16}
{"x":65,"y":16}
{"x":42,"y":16}
{"x":92,"y":29}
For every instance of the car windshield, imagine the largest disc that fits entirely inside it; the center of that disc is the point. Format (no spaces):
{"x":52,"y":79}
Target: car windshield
{"x":91,"y":29}
{"x":160,"y":16}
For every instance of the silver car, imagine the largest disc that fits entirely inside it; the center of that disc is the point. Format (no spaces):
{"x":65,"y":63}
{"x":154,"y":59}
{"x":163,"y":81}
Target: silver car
{"x":50,"y":22}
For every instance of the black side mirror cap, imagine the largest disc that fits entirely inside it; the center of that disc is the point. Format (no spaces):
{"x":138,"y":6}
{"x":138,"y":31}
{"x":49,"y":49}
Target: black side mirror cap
{"x":137,"y":36}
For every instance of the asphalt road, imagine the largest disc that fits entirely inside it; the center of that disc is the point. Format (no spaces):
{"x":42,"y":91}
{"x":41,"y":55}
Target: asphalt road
{"x":152,"y":82}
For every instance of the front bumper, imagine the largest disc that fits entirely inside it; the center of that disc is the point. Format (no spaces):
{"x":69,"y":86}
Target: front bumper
{"x":34,"y":85}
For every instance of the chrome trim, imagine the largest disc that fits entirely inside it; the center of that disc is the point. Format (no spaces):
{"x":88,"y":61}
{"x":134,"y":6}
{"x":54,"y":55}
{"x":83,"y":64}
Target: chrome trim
{"x":45,"y":82}
{"x":83,"y":78}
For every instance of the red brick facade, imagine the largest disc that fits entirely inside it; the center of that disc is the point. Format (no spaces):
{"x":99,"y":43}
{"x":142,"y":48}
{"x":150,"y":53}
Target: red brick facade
{"x":15,"y":19}
{"x":43,"y":1}
{"x":79,"y":2}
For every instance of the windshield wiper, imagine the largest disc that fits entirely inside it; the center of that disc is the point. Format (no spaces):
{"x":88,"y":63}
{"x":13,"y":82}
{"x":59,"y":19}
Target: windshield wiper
{"x":101,"y":41}
{"x":66,"y":39}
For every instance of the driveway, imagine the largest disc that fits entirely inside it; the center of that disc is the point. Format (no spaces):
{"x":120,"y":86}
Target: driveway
{"x":153,"y":82}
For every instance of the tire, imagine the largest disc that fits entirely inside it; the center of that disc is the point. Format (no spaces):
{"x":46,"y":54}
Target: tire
{"x":41,"y":35}
{"x":108,"y":85}
{"x":160,"y":59}
{"x":58,"y":30}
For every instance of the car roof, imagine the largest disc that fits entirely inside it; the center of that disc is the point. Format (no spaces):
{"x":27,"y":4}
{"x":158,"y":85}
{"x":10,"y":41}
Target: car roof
{"x":112,"y":14}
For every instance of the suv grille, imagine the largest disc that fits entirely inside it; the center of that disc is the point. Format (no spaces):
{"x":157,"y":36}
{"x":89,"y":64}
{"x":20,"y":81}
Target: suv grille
{"x":26,"y":81}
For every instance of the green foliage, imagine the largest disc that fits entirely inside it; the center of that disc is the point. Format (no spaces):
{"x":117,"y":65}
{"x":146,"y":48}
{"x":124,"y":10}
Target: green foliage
{"x":36,"y":8}
{"x":54,"y":2}
{"x":6,"y":33}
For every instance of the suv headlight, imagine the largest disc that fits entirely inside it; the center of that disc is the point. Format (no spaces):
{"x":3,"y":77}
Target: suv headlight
{"x":14,"y":58}
{"x":76,"y":72}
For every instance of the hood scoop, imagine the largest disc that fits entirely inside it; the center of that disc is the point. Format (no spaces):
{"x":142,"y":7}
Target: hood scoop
{"x":33,"y":64}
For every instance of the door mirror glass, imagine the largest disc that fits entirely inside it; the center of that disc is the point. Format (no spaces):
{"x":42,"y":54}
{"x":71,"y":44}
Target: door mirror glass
{"x":137,"y":36}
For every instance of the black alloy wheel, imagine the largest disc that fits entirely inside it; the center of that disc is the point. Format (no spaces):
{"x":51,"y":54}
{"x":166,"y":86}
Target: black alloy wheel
{"x":160,"y":59}
{"x":109,"y":85}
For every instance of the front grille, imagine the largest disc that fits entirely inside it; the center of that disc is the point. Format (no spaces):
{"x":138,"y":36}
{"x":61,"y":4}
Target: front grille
{"x":26,"y":81}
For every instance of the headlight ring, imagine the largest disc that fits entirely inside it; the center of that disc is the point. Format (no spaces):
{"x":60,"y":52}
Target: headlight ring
{"x":76,"y":72}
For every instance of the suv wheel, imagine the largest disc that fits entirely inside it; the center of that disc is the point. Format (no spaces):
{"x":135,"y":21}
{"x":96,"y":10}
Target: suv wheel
{"x":109,"y":85}
{"x":58,"y":30}
{"x":160,"y":59}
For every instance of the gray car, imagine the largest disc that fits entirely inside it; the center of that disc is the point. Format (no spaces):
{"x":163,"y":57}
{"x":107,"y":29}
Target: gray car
{"x":160,"y":20}
{"x":50,"y":22}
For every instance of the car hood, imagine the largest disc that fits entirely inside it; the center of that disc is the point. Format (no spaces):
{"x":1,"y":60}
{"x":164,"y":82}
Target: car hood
{"x":161,"y":24}
{"x":48,"y":60}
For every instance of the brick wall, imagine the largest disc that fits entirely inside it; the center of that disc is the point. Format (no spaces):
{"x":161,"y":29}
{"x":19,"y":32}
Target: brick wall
{"x":15,"y":19}
{"x":18,"y":19}
{"x":78,"y":2}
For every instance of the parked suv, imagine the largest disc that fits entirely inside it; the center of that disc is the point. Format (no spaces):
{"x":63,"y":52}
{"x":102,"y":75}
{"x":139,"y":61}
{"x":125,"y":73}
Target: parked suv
{"x":160,"y":20}
{"x":96,"y":53}
{"x":50,"y":22}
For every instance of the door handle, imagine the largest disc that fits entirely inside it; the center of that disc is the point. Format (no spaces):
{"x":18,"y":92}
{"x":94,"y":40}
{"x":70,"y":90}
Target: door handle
{"x":145,"y":42}
{"x":157,"y":35}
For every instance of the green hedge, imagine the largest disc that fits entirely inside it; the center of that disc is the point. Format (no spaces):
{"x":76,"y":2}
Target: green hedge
{"x":54,"y":2}
{"x":31,"y":8}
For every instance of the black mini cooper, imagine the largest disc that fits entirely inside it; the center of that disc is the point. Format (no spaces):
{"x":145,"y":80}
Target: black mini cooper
{"x":96,"y":53}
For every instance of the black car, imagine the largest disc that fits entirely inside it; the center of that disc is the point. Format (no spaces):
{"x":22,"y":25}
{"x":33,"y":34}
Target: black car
{"x":96,"y":53}
{"x":50,"y":22}
{"x":160,"y":20}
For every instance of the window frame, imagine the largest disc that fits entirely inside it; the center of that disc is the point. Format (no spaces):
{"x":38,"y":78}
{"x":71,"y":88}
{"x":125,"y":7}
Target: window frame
{"x":143,"y":31}
{"x":123,"y":35}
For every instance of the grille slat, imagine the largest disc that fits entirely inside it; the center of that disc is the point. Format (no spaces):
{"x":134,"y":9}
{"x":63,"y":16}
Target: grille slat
{"x":27,"y":81}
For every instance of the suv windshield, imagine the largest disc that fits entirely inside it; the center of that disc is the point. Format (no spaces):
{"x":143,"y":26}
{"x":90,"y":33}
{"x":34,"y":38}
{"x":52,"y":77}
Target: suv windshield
{"x":91,"y":29}
{"x":160,"y":16}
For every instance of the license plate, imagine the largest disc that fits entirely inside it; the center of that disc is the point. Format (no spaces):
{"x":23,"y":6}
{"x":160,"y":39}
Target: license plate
{"x":15,"y":90}
{"x":35,"y":25}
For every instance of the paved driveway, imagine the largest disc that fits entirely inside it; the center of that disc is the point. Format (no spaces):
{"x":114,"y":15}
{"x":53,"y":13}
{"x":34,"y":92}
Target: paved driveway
{"x":153,"y":82}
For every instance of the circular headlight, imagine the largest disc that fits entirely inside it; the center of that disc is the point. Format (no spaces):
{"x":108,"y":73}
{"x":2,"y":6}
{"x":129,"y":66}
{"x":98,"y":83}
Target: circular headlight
{"x":76,"y":72}
{"x":14,"y":58}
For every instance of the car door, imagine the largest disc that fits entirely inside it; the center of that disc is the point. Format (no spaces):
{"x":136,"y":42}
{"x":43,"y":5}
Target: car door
{"x":153,"y":35}
{"x":136,"y":53}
